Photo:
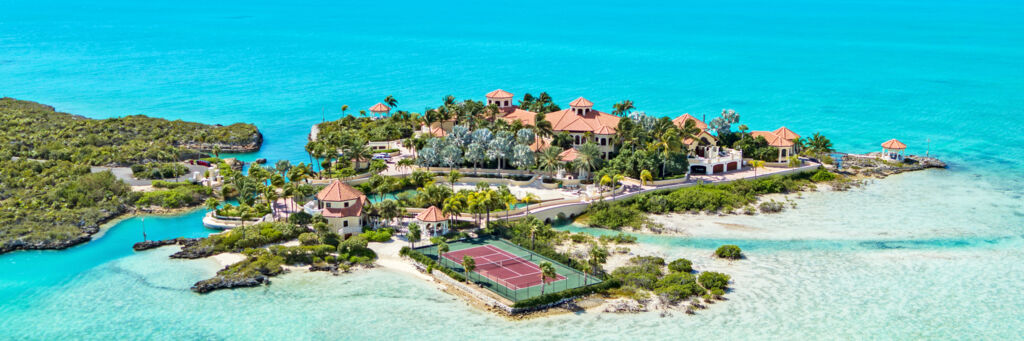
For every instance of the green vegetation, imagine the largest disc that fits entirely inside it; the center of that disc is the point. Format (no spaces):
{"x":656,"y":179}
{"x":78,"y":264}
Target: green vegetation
{"x":49,"y":199}
{"x":378,"y":236}
{"x":36,"y":131}
{"x":245,"y":237}
{"x":564,"y":294}
{"x":430,"y":263}
{"x":681,"y":265}
{"x":158,"y":170}
{"x":55,"y":204}
{"x":708,"y":198}
{"x":176,"y":197}
{"x":729,"y":252}
{"x":644,"y":275}
{"x":714,"y":280}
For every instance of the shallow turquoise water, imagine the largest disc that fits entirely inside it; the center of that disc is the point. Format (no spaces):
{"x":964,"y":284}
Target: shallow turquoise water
{"x":909,"y":257}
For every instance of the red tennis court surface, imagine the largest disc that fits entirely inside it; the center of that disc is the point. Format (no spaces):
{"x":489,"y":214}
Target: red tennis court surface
{"x":502,"y":267}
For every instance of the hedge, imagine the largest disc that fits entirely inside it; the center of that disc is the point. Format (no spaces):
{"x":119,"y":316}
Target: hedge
{"x":423,"y":259}
{"x":574,"y":292}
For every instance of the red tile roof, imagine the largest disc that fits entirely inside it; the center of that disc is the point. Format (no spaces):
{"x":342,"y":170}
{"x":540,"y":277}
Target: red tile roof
{"x":438,"y":131}
{"x":353,"y":210}
{"x":593,"y":121}
{"x":773,"y":140}
{"x":569,"y":154}
{"x":379,"y":107}
{"x":785,"y":133}
{"x":499,"y":94}
{"x":525,"y":116}
{"x":681,"y":121}
{"x":581,"y":102}
{"x":894,"y":144}
{"x":339,"y":191}
{"x":432,"y":215}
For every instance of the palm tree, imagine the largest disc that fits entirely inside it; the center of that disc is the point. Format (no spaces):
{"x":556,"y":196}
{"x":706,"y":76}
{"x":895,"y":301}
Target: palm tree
{"x":452,"y":177}
{"x":756,"y":164}
{"x":585,"y":267}
{"x":667,"y":143}
{"x":547,"y":270}
{"x":452,"y":207}
{"x":405,"y":164}
{"x":605,"y":181}
{"x":542,"y":127}
{"x":533,"y":229}
{"x":414,"y":234}
{"x":442,"y":247}
{"x":468,"y":263}
{"x":282,"y":166}
{"x":645,"y":177}
{"x":391,"y":101}
{"x":509,"y":200}
{"x":819,"y":144}
{"x":548,"y":160}
{"x":598,"y":255}
{"x":528,"y":199}
{"x":216,"y":150}
{"x":344,"y":108}
{"x":212,"y":203}
{"x":588,"y":158}
{"x":623,"y":108}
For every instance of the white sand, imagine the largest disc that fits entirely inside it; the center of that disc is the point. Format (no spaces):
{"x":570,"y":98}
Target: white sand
{"x":228,"y":258}
{"x":388,"y":257}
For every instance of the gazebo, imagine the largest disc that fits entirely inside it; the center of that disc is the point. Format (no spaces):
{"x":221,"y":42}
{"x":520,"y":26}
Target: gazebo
{"x":379,"y":109}
{"x":433,"y":221}
{"x":893,"y":149}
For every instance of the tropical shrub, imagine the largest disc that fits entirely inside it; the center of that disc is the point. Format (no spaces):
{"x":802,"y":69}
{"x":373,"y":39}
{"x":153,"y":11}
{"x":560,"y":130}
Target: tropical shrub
{"x":729,"y":251}
{"x":714,"y":280}
{"x":681,"y":265}
{"x":309,"y":238}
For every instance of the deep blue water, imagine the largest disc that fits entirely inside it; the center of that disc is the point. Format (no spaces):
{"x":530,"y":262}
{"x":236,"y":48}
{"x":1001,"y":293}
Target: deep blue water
{"x":942,"y":76}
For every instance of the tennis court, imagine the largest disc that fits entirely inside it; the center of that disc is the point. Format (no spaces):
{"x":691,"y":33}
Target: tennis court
{"x":503,"y":267}
{"x":507,"y":269}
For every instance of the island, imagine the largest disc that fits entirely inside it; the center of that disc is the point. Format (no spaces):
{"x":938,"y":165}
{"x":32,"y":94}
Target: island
{"x":469,"y":195}
{"x":56,"y":183}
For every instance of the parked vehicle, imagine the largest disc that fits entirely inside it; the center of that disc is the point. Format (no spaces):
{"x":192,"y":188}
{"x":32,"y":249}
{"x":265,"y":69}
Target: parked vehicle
{"x":382,"y":156}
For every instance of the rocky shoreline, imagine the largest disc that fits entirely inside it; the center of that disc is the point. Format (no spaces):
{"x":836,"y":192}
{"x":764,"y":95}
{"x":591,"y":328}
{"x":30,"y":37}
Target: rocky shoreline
{"x":224,"y":282}
{"x":89,"y":231}
{"x":85,"y":236}
{"x":873,"y":165}
{"x":152,"y":244}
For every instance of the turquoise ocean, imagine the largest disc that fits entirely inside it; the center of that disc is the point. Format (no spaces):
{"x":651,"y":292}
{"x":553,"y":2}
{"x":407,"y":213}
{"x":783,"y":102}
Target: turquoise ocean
{"x":929,"y":255}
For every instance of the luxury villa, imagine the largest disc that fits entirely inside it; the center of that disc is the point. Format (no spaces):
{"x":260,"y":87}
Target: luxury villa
{"x":579,"y":120}
{"x":342,"y":205}
{"x":782,"y":139}
{"x":705,"y":156}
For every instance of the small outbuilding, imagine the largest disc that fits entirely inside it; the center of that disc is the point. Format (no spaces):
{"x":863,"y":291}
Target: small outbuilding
{"x":433,"y":221}
{"x":894,"y":149}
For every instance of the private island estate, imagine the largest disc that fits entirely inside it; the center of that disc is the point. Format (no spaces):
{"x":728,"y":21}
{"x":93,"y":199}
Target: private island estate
{"x":469,"y":195}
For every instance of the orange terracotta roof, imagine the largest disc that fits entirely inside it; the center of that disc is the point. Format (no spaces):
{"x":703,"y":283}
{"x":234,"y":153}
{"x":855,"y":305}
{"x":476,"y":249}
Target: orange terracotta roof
{"x":353,"y":210}
{"x":681,"y":121}
{"x":379,"y":107}
{"x":703,"y":133}
{"x":432,"y":215}
{"x":581,"y":102}
{"x":569,"y":154}
{"x":594,"y":121}
{"x":499,"y":94}
{"x":438,"y":131}
{"x":540,"y":143}
{"x":525,"y":116}
{"x":894,"y":144}
{"x":339,"y":191}
{"x":773,"y":140}
{"x":785,"y":133}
